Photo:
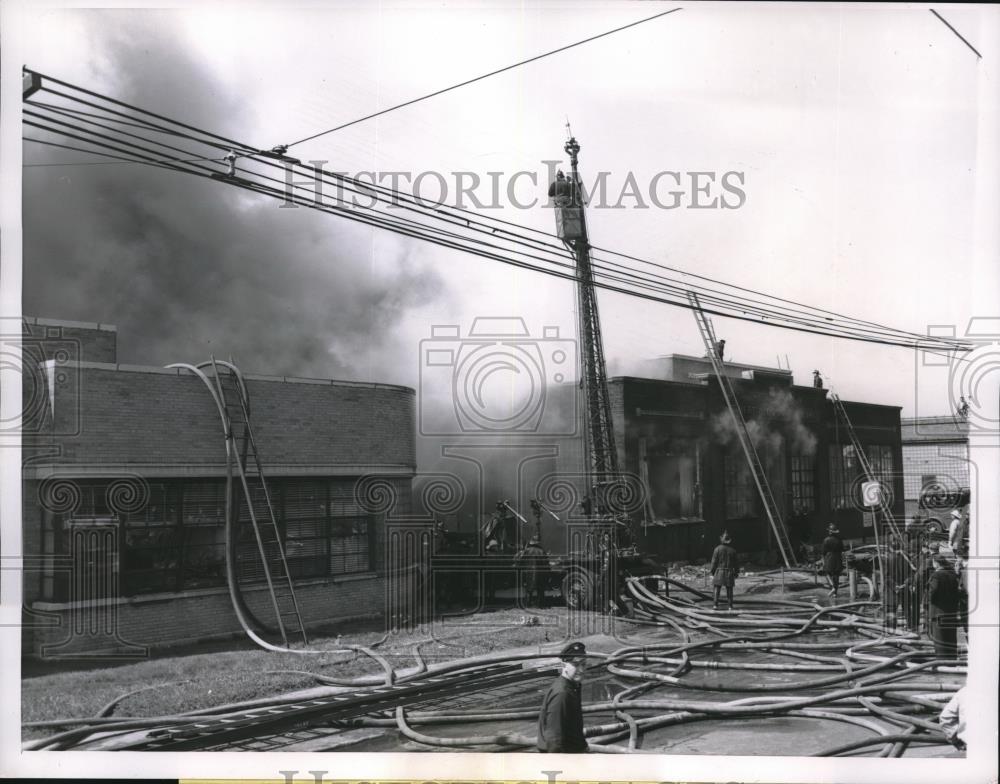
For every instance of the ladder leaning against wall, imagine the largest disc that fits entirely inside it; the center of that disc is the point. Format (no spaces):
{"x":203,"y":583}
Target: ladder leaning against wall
{"x":866,"y":466}
{"x":749,"y":450}
{"x":235,"y":401}
{"x":229,"y":392}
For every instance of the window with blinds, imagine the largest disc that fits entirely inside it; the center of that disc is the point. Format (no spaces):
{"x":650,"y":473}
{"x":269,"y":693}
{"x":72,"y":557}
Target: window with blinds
{"x":305,"y":519}
{"x":153,"y":541}
{"x":172,"y":538}
{"x":203,"y":534}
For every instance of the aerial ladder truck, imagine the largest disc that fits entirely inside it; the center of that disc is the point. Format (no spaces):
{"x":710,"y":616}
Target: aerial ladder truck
{"x":598,"y":561}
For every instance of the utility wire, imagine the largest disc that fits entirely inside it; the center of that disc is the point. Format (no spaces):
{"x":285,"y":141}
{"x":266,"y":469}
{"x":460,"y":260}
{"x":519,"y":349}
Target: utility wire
{"x":615,"y":272}
{"x":480,"y":78}
{"x":960,"y":36}
{"x":612,"y":277}
{"x":440,"y":210}
{"x":409,"y":231}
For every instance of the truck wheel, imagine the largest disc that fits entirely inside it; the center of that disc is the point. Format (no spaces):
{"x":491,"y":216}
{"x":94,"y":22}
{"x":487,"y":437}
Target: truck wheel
{"x":578,"y":590}
{"x":934,"y":526}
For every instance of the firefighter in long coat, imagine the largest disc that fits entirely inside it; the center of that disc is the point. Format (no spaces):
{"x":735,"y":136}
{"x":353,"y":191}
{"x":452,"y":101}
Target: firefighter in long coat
{"x":560,"y":720}
{"x":942,"y":616}
{"x":532,"y":561}
{"x":723,"y":569}
{"x":833,"y":558}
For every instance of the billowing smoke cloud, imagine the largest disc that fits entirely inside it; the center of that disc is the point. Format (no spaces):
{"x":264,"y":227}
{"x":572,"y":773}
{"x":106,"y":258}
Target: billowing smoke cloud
{"x":482,"y":468}
{"x":188,"y":267}
{"x":776,"y":422}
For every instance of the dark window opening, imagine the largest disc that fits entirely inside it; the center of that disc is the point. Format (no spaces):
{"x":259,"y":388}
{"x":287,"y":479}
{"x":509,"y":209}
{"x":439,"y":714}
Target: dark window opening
{"x":803,"y":484}
{"x":741,"y":493}
{"x":171,"y":536}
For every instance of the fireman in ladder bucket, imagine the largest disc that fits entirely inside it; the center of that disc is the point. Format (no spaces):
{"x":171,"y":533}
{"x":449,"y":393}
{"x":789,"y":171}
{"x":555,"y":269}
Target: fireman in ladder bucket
{"x":723,"y":569}
{"x":561,"y":191}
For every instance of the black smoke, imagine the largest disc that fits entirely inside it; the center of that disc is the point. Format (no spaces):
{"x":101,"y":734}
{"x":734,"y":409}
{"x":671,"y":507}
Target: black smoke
{"x":187,"y":267}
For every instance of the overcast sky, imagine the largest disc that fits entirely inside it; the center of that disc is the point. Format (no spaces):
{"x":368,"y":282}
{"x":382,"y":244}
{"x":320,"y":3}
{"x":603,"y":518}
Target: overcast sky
{"x":857,"y":130}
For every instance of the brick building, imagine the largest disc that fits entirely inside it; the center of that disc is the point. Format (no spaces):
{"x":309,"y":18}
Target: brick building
{"x":935,"y":466}
{"x":140,"y":451}
{"x":674,"y":432}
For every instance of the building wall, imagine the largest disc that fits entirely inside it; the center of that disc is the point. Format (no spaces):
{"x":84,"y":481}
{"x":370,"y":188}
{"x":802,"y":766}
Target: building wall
{"x":132,"y":427}
{"x":82,"y":341}
{"x":936,"y":455}
{"x":133,"y":415}
{"x":685,"y":431}
{"x":49,"y":351}
{"x":174,"y":619}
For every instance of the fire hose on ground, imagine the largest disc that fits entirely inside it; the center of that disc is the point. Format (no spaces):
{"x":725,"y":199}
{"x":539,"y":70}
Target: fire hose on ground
{"x":878,"y":683}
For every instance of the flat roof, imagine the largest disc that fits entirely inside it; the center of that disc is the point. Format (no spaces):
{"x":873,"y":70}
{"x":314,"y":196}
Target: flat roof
{"x":46,"y":322}
{"x":156,"y":369}
{"x":727,"y":362}
{"x":936,"y":420}
{"x":804,"y":389}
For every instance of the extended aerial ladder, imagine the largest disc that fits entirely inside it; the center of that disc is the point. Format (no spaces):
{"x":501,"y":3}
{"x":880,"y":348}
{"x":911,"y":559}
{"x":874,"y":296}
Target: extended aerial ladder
{"x":595,"y":565}
{"x":602,"y":455}
{"x":230,"y":393}
{"x":749,"y":450}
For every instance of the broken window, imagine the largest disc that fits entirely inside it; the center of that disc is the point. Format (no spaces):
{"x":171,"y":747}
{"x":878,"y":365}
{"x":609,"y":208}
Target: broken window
{"x":673,"y":478}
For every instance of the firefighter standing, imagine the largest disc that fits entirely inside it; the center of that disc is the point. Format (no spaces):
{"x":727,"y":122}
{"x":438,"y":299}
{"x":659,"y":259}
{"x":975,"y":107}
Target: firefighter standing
{"x":957,"y":532}
{"x":896,"y":575}
{"x":531,"y":560}
{"x":942,"y":593}
{"x":723,"y":569}
{"x":560,"y":720}
{"x":913,"y":589}
{"x":833,"y":558}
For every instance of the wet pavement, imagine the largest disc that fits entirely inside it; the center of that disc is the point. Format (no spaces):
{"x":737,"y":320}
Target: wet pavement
{"x":746,"y":736}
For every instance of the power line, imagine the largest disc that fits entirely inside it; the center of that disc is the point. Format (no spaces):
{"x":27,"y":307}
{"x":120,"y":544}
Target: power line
{"x":614,"y":277}
{"x":480,"y":78}
{"x":960,"y":36}
{"x":441,"y":212}
{"x":452,"y":240}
